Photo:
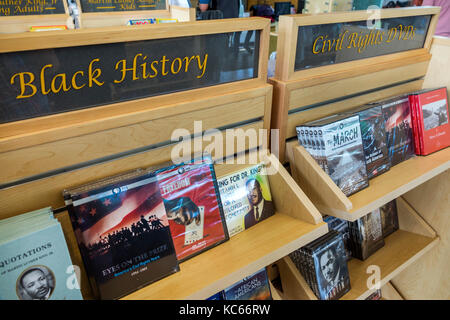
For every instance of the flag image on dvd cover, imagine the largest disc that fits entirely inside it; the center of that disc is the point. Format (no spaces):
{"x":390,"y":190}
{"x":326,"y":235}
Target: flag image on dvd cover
{"x":193,"y":206}
{"x":123,"y":235}
{"x":399,"y":135}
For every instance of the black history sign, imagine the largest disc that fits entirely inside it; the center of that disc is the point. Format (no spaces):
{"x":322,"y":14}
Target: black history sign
{"x":42,"y":82}
{"x":320,"y":45}
{"x":121,"y":5}
{"x":30,"y":7}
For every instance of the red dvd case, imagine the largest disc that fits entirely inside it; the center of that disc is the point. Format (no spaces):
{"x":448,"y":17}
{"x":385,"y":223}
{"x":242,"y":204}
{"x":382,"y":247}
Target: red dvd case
{"x":193,"y":207}
{"x":432,"y":119}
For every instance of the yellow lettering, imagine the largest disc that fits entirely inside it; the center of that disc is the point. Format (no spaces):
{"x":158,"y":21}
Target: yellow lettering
{"x":202,"y":66}
{"x":155,"y":71}
{"x":44,"y":92}
{"x":74,"y":80}
{"x":135,"y":77}
{"x":314,"y":45}
{"x":163,"y":68}
{"x":24,"y":85}
{"x":352,"y":40}
{"x":124,"y":70}
{"x":93,"y":75}
{"x":63,"y":84}
{"x":391,"y":35}
{"x":187,"y":60}
{"x":179,"y":65}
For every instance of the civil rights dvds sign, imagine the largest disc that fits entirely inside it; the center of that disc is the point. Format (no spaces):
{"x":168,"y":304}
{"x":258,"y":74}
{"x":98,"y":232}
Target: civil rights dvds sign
{"x":121,"y":5}
{"x":42,"y":82}
{"x":327,"y":44}
{"x":30,"y":7}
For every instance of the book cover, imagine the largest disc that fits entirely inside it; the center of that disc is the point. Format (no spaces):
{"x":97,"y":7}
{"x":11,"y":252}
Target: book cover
{"x":433,"y":120}
{"x":123,"y":235}
{"x":399,"y":133}
{"x":246,"y":198}
{"x":193,"y":206}
{"x":253,"y":287}
{"x":36,"y":265}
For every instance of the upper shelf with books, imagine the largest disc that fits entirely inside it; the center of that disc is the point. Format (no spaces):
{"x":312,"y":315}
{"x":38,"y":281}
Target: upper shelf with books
{"x":330,"y":200}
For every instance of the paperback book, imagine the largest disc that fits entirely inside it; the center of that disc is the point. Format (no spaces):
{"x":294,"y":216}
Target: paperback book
{"x":34,"y":259}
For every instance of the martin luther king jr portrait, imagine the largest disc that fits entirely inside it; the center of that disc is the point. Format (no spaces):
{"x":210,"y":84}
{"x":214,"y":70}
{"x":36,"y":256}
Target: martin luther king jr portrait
{"x":260,"y":208}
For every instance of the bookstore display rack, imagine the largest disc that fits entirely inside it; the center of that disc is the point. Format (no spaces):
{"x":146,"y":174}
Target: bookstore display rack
{"x":313,"y":93}
{"x":50,"y":14}
{"x":47,"y":154}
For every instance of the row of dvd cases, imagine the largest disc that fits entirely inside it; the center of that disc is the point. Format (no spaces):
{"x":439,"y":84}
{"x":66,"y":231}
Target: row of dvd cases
{"x":45,"y":155}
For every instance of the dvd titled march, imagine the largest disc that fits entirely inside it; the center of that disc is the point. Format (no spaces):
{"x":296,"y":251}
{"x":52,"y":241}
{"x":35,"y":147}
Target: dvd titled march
{"x":246,"y":198}
{"x":254,"y":287}
{"x":341,"y":151}
{"x":34,"y":259}
{"x":398,"y":126}
{"x":123,"y":233}
{"x":193,"y":206}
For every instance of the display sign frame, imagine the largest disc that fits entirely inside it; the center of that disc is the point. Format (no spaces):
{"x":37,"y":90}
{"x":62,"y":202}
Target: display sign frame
{"x":288,"y":38}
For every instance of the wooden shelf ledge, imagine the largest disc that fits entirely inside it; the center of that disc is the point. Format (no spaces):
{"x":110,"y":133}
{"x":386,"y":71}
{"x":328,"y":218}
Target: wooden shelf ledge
{"x":329,"y":199}
{"x":401,"y":249}
{"x":244,"y":254}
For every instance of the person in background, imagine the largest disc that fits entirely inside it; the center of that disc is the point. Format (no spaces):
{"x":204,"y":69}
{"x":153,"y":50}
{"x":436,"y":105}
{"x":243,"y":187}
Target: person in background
{"x":443,"y":25}
{"x":229,"y":8}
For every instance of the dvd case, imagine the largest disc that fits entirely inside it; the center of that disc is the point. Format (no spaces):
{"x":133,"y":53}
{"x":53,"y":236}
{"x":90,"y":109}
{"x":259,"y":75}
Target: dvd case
{"x":389,"y":218}
{"x":398,"y":125}
{"x":193,"y":206}
{"x":246,"y":198}
{"x":341,"y":152}
{"x":373,"y":134}
{"x":123,"y":233}
{"x":342,"y":227}
{"x":254,"y":287}
{"x":366,"y":235}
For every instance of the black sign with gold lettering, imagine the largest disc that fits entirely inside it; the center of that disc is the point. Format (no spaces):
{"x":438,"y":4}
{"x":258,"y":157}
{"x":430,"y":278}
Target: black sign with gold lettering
{"x":121,"y":5}
{"x":320,"y":45}
{"x":42,"y":82}
{"x":30,"y":7}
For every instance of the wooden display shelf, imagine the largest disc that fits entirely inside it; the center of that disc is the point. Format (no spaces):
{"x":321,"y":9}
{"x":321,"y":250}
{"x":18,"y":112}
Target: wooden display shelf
{"x":401,"y":249}
{"x":244,"y":254}
{"x":329,"y":199}
{"x":295,"y":223}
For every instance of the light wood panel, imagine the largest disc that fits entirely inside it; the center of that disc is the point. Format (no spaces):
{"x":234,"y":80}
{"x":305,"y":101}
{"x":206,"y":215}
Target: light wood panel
{"x":427,"y":278}
{"x":398,"y":180}
{"x":331,"y":90}
{"x":401,"y":249}
{"x":388,"y":292}
{"x":45,"y":157}
{"x":48,"y":191}
{"x":30,"y":132}
{"x":440,"y":61}
{"x":90,"y":36}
